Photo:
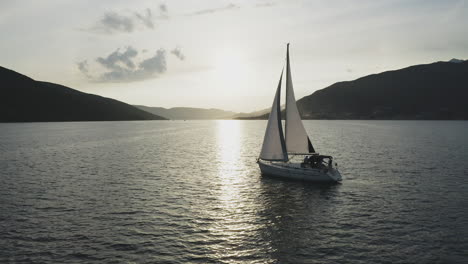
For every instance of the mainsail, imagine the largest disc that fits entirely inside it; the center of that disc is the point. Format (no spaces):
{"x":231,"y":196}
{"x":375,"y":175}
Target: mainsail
{"x":297,"y":140}
{"x":274,"y":146}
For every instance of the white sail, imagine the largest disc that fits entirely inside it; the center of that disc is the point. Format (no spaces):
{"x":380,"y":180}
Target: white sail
{"x":274,"y":147}
{"x":297,"y":140}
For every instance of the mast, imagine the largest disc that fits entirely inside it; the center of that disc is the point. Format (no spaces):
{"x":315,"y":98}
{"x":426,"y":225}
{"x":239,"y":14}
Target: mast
{"x":297,"y":140}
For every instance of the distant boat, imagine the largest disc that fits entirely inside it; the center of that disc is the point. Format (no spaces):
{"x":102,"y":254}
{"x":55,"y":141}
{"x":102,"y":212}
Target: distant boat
{"x":292,"y":155}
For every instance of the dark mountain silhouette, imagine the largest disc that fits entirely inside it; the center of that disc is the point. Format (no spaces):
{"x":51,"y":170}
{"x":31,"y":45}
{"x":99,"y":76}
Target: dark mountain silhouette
{"x":26,"y":100}
{"x":430,"y":91}
{"x":188,"y":113}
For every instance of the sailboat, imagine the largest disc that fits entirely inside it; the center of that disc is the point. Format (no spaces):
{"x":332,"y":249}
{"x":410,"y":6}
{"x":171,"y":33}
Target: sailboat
{"x":291,"y":154}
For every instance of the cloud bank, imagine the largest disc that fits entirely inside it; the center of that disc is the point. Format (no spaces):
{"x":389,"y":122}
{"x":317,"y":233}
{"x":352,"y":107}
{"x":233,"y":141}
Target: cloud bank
{"x":123,"y":66}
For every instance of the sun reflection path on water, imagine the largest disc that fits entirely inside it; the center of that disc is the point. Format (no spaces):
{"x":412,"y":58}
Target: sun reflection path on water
{"x":229,"y":161}
{"x":234,"y":213}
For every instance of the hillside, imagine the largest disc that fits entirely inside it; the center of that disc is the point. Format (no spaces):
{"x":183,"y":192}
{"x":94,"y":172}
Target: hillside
{"x":26,"y":100}
{"x":431,"y":91}
{"x":187,"y":113}
{"x":253,"y":115}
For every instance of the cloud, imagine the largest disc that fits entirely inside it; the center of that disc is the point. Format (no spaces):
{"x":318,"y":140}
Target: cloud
{"x":164,"y":13}
{"x":155,"y":64}
{"x":163,"y":8}
{"x":266,"y":4}
{"x":116,"y":58}
{"x":83,"y":67}
{"x":146,"y":19}
{"x":178,"y":53}
{"x":214,"y":10}
{"x":113,"y":22}
{"x":122,"y":66}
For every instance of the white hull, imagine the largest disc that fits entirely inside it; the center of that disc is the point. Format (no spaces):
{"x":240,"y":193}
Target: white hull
{"x":295,"y":171}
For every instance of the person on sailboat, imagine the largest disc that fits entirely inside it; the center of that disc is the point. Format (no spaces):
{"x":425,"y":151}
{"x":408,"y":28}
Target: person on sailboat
{"x":305,"y":162}
{"x":314,"y":162}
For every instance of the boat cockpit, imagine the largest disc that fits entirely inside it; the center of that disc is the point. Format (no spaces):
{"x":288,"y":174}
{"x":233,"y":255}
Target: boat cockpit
{"x":317,"y":161}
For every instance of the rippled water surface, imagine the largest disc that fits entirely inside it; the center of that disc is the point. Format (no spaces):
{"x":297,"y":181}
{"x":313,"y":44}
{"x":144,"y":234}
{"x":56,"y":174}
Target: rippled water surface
{"x":181,"y":192}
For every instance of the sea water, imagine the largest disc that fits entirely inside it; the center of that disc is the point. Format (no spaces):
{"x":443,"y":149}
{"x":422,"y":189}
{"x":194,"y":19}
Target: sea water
{"x":191,"y":192}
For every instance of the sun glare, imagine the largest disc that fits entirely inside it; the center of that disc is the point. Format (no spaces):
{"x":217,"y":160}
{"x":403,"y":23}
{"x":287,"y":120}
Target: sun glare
{"x":228,"y":144}
{"x":230,"y":67}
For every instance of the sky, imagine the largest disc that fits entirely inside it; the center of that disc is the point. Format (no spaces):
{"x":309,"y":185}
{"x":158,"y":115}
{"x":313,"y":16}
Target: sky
{"x":222,"y":54}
